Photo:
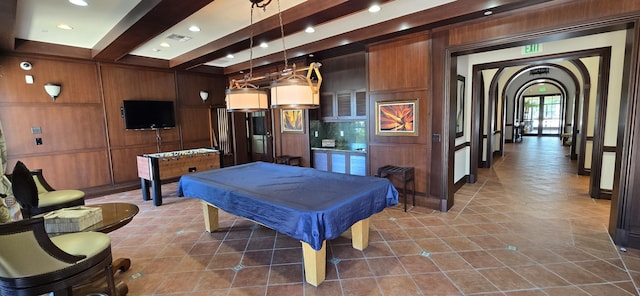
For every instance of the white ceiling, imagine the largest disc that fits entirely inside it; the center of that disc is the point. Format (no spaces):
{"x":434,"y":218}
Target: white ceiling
{"x":36,"y":20}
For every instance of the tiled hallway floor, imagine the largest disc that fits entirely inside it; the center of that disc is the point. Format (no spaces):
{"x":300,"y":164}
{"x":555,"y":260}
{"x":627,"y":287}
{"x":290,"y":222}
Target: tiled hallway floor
{"x":527,"y":227}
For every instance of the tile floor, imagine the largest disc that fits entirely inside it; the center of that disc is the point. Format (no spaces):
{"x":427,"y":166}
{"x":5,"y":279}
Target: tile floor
{"x":527,"y":227}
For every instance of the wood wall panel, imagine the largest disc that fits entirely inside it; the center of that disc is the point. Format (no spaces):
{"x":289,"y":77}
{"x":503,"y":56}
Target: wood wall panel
{"x":557,"y":16}
{"x":399,"y":64}
{"x":78,"y":170}
{"x":400,"y":70}
{"x":190,"y":85}
{"x":74,"y":150}
{"x":194,"y":124}
{"x":423,"y":117}
{"x":193,"y":113}
{"x":344,"y":73}
{"x":79,"y":81}
{"x":127,"y":83}
{"x":294,"y":144}
{"x":415,"y":156}
{"x":64,"y":128}
{"x":196,"y":144}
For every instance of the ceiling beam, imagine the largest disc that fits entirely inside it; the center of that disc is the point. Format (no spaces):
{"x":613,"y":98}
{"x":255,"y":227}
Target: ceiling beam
{"x":148,"y":19}
{"x":453,"y":12}
{"x":294,"y":20}
{"x":7,"y":24}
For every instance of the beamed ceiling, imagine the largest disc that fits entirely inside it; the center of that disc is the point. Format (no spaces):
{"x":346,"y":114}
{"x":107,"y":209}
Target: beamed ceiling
{"x":132,"y":31}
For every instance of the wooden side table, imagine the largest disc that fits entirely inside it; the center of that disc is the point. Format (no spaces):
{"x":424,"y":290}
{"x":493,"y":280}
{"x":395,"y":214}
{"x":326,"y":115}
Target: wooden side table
{"x":408,"y":176}
{"x":289,"y":160}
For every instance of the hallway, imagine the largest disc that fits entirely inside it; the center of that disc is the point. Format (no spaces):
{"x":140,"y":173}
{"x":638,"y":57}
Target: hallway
{"x":527,"y":227}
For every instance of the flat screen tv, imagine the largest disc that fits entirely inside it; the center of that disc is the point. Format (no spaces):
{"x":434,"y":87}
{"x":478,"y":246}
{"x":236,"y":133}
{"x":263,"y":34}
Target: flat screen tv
{"x":141,"y":114}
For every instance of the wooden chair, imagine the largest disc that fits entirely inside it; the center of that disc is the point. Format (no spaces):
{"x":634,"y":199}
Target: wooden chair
{"x":31,"y":263}
{"x":36,"y":196}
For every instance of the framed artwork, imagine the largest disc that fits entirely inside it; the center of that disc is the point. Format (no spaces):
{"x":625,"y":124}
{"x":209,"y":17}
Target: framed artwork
{"x":397,"y":118}
{"x":460,"y":107}
{"x":292,"y":120}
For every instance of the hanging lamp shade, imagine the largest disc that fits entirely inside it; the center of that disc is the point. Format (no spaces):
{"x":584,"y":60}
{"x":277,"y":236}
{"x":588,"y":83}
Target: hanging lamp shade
{"x":297,"y":91}
{"x":294,"y":93}
{"x":246,"y":99}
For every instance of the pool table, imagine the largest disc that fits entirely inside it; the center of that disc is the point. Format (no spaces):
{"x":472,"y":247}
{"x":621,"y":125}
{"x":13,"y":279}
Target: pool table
{"x":304,"y":203}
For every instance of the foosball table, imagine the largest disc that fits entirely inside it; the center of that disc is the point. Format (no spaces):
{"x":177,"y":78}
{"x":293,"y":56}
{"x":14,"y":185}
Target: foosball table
{"x":152,"y":168}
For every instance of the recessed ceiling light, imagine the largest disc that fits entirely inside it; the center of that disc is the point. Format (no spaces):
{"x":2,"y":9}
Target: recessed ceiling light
{"x":64,"y":27}
{"x":309,"y":29}
{"x":264,"y":45}
{"x":156,"y":50}
{"x":229,"y":56}
{"x":374,"y":8}
{"x":78,"y":2}
{"x":488,"y":12}
{"x":194,"y":29}
{"x":165,"y":44}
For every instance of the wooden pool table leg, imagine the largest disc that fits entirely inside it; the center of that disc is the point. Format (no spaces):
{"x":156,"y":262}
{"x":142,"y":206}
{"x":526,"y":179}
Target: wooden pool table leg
{"x":315,"y":263}
{"x":210,"y":216}
{"x":360,"y":234}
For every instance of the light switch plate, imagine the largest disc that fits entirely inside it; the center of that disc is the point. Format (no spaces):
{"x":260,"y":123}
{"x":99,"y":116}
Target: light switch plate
{"x":28,"y":79}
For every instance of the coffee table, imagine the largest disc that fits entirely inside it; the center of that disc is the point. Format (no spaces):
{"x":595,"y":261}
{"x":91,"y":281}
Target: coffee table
{"x":114,"y":216}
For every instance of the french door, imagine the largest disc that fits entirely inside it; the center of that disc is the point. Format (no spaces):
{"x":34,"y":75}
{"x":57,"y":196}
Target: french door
{"x":542,"y":115}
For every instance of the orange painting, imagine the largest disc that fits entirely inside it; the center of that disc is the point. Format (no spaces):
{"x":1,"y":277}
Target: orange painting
{"x":396,"y":118}
{"x":292,"y":121}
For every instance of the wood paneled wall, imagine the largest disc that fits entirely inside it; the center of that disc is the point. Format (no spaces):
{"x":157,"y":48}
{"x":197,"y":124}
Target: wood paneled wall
{"x":346,"y":72}
{"x":128,"y":83}
{"x":73,"y":127}
{"x":549,"y":18}
{"x":193,"y":113}
{"x":399,"y":70}
{"x":85,"y":144}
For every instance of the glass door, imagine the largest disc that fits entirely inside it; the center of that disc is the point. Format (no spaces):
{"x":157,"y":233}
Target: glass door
{"x":531,"y":115}
{"x":551,"y":112}
{"x":542,"y":115}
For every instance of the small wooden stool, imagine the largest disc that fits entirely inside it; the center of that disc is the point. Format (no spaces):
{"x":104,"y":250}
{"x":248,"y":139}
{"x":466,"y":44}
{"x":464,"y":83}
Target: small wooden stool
{"x":407,"y":174}
{"x":289,"y":160}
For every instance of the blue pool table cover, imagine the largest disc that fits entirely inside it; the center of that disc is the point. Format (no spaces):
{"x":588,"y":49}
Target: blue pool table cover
{"x":303,"y":203}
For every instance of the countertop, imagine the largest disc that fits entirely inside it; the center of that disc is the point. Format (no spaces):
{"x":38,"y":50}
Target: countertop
{"x":341,"y":149}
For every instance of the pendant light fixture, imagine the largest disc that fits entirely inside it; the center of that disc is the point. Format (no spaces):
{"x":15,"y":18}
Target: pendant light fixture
{"x":291,"y":89}
{"x":242,"y":96}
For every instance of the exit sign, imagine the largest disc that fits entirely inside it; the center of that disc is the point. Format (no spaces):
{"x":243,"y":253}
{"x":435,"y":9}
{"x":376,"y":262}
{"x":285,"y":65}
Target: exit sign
{"x":532,"y":48}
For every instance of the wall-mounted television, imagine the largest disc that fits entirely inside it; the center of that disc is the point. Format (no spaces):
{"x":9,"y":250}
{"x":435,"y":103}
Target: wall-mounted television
{"x":141,"y":114}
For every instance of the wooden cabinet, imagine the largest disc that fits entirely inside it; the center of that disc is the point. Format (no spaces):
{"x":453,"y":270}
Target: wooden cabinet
{"x":343,"y":105}
{"x":339,"y":161}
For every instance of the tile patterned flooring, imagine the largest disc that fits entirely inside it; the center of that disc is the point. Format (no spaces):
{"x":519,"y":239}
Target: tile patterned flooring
{"x":527,"y":227}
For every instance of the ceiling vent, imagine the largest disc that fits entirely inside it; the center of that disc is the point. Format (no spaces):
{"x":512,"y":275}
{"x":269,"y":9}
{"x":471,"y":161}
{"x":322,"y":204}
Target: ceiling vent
{"x":179,"y":38}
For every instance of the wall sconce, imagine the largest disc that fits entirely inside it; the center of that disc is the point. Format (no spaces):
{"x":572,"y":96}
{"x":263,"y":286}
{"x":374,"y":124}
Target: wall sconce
{"x":204,"y":95}
{"x":53,"y":90}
